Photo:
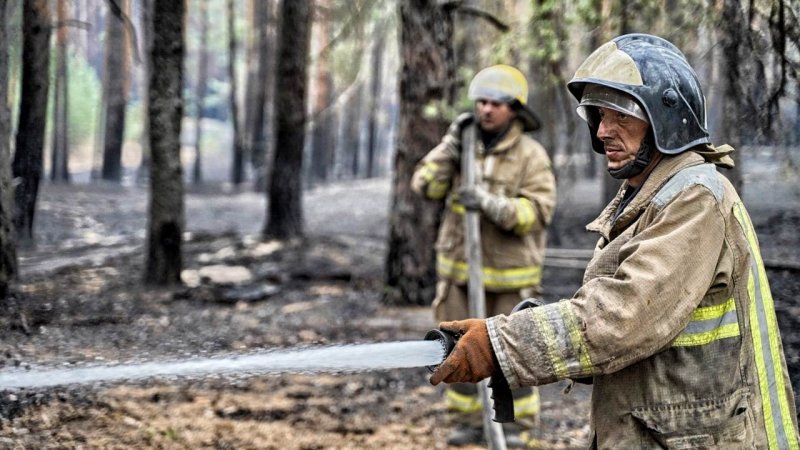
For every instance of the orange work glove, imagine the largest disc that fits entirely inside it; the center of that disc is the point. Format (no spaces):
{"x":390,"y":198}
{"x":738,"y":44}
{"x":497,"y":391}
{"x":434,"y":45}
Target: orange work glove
{"x":472,"y":359}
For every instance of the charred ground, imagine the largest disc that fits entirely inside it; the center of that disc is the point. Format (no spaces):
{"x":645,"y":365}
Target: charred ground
{"x":80,"y":302}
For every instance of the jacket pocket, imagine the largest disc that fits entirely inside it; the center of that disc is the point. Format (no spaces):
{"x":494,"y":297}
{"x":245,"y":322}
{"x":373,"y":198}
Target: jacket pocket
{"x":714,"y":423}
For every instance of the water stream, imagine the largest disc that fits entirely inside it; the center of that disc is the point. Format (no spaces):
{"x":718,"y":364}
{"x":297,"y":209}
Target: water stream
{"x":335,"y":358}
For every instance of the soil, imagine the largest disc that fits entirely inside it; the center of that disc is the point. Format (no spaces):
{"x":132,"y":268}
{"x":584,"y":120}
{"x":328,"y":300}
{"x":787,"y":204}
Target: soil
{"x":80,"y":301}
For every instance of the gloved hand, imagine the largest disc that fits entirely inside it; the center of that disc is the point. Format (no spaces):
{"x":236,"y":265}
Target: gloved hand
{"x":457,"y":127}
{"x":472,"y":359}
{"x":473,"y":197}
{"x":495,"y":207}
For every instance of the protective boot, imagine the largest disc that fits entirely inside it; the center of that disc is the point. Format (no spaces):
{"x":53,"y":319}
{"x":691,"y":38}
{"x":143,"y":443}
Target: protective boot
{"x":464,"y":411}
{"x":526,"y":418}
{"x":463,"y":434}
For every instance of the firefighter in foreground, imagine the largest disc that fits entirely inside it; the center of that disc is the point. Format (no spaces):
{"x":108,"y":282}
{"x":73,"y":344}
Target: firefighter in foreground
{"x":515,"y":196}
{"x":674,"y":323}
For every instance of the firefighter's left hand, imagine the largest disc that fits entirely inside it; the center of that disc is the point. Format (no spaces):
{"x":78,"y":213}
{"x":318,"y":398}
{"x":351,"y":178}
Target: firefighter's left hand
{"x":473,"y":197}
{"x":472,"y":359}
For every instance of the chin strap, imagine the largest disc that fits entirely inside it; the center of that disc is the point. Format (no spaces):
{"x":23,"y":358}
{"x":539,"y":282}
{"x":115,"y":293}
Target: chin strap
{"x":637,"y":166}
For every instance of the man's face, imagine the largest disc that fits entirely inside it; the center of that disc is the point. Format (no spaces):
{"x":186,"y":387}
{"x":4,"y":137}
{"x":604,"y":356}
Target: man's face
{"x":621,"y":135}
{"x":494,"y":116}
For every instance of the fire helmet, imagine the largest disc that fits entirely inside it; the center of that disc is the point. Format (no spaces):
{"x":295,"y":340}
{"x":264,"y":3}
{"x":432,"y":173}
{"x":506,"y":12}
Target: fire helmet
{"x":657,"y":85}
{"x":506,"y":84}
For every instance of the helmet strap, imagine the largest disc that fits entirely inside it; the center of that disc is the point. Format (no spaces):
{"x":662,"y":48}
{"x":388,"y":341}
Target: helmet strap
{"x":639,"y":164}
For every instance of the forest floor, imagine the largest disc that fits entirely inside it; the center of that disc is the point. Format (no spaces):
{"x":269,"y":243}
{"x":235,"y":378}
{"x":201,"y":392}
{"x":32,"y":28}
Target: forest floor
{"x":80,"y":302}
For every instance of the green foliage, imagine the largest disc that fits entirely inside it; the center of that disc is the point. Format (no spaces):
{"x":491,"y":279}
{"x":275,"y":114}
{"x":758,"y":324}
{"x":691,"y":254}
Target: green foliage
{"x":134,"y":121}
{"x":84,"y":92}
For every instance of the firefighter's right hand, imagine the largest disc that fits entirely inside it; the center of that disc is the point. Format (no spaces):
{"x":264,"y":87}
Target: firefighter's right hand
{"x":472,"y":359}
{"x":457,"y":127}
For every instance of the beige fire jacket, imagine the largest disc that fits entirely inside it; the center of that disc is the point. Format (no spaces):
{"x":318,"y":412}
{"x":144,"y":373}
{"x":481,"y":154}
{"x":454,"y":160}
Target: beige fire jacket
{"x":674,"y":322}
{"x":513,"y":248}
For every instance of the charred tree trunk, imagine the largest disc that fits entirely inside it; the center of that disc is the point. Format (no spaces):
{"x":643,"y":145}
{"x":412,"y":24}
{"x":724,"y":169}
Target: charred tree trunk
{"x":59,"y":157}
{"x":285,"y":202}
{"x":736,"y":115}
{"x":426,"y":36}
{"x":374,"y":102}
{"x":115,"y":97}
{"x":146,"y":33}
{"x":166,"y":216}
{"x":200,"y":93}
{"x":8,"y":251}
{"x":27,"y":166}
{"x":351,"y":136}
{"x":257,"y":107}
{"x":237,"y":161}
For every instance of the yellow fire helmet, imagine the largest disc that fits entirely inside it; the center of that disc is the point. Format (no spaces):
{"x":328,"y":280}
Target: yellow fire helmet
{"x":657,"y":85}
{"x":503,"y":83}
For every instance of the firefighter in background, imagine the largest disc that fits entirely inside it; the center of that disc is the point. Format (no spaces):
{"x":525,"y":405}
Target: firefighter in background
{"x":515,"y":195}
{"x":675,"y":322}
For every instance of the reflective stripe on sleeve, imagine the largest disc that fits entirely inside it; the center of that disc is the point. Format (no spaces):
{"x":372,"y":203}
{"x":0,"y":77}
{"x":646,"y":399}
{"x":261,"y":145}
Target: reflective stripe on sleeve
{"x":435,"y":189}
{"x":766,"y":346}
{"x":512,"y":278}
{"x":525,"y":216}
{"x":565,"y":346}
{"x":709,"y":324}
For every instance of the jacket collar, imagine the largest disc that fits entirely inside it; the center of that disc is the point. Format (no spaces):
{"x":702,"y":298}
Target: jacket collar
{"x":664,"y":170}
{"x":509,"y":139}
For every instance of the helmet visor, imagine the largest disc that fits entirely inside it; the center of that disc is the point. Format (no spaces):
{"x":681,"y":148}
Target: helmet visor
{"x":603,"y":97}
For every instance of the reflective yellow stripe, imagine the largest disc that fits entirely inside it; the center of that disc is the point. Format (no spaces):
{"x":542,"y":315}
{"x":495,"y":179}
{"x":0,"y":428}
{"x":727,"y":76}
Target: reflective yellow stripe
{"x":458,"y":208}
{"x":548,"y":334}
{"x":528,"y":405}
{"x":715,"y":311}
{"x":525,"y":216}
{"x":436,"y":189}
{"x":689,"y":340}
{"x":709,"y":324}
{"x":780,"y":430}
{"x":463,"y":403}
{"x":512,"y":278}
{"x":576,"y":339}
{"x":565,"y":346}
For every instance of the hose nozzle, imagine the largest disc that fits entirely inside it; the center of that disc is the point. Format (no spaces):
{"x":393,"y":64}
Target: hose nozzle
{"x":447,"y":340}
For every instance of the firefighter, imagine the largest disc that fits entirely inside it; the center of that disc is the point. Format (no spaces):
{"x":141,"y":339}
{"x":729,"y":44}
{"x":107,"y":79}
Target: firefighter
{"x":515,"y":195}
{"x":675,"y":323}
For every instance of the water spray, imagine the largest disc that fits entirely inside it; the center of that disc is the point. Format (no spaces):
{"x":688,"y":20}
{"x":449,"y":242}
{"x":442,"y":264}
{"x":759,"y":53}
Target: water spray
{"x":349,"y":358}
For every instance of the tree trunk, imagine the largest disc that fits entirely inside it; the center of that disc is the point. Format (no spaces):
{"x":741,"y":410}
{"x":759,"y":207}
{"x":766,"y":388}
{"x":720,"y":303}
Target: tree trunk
{"x":426,"y":36}
{"x":285,"y":203}
{"x":59,"y":157}
{"x":237,"y":164}
{"x":374,"y":102}
{"x":166,"y":216}
{"x":27,"y":166}
{"x":200,"y":92}
{"x":351,"y":136}
{"x":257,"y":108}
{"x":146,"y":34}
{"x":322,"y":139}
{"x":115,"y":98}
{"x":734,"y":116}
{"x":8,"y":251}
